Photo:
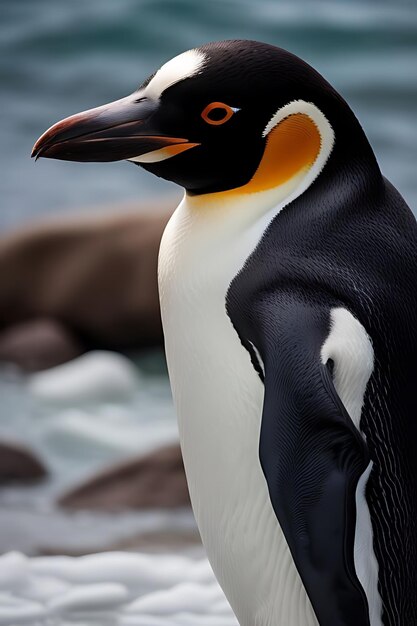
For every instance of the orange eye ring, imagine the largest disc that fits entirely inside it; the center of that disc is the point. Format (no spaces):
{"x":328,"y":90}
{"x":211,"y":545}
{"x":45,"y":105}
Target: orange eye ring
{"x":228,"y":112}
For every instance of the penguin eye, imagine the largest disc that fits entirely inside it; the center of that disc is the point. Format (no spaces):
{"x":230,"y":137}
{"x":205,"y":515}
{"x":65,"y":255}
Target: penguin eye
{"x":217,"y":113}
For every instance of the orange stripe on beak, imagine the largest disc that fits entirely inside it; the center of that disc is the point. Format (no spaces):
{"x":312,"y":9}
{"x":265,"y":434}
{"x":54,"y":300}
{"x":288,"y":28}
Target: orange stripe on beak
{"x":163,"y":153}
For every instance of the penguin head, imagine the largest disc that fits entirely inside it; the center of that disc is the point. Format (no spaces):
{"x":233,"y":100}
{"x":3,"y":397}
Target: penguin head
{"x":220,"y":117}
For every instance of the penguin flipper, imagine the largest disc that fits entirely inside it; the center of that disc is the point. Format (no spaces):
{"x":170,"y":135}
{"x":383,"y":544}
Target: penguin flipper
{"x":312,"y":456}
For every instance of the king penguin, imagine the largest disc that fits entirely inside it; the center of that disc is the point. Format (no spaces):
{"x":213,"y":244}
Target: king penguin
{"x":287,"y":280}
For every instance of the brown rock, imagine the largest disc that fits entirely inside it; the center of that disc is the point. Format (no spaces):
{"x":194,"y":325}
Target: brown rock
{"x":38,"y":344}
{"x":156,"y":480}
{"x":17,"y":464}
{"x":174,"y":541}
{"x":96,"y":276}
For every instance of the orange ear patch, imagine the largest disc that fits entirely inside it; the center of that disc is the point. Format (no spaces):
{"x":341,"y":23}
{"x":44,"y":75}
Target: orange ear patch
{"x":292,"y":146}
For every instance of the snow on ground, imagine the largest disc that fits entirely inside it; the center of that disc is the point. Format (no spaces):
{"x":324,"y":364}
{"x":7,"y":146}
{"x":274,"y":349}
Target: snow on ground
{"x":110,"y":589}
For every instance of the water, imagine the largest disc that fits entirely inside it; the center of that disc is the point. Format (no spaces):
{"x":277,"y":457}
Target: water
{"x":60,"y":58}
{"x":75,"y":439}
{"x":115,"y":588}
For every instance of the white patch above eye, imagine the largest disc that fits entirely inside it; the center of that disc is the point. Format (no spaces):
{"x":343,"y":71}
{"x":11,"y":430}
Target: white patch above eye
{"x":180,"y":67}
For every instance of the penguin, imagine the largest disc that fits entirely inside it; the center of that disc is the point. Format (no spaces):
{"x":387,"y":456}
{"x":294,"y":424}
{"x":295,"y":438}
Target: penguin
{"x":287,"y":279}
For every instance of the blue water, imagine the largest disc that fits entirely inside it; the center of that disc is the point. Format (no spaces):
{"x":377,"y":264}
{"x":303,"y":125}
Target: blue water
{"x":58,"y":58}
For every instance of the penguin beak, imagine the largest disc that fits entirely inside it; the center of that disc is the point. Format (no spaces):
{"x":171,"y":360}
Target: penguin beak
{"x":112,"y":132}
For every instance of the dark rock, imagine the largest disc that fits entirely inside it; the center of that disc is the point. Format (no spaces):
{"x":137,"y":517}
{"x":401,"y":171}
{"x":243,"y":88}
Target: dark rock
{"x":17,"y":464}
{"x":161,"y":542}
{"x":96,"y":276}
{"x":38,"y":344}
{"x":156,"y":480}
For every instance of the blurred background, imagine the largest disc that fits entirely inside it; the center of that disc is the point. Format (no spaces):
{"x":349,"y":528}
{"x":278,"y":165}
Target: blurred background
{"x":89,"y":456}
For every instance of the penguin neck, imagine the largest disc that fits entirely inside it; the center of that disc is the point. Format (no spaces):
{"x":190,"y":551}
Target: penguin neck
{"x":239,"y":210}
{"x":221,"y":230}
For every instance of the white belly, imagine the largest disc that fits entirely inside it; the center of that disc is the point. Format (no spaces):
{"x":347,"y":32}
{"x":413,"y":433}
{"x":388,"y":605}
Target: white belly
{"x":218,"y":397}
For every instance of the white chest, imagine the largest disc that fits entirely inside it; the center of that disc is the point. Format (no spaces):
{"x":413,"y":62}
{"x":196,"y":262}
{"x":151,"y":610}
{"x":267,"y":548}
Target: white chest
{"x":218,"y":397}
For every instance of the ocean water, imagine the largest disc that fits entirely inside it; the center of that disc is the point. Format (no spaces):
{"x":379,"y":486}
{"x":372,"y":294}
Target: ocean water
{"x":59,"y":58}
{"x":86,"y":420}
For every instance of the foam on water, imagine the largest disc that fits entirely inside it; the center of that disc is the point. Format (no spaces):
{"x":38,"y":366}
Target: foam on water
{"x":116,"y":588}
{"x":96,"y":376}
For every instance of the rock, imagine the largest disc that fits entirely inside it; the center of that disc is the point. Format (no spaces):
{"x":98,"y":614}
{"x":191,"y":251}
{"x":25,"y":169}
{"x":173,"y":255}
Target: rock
{"x":97,"y":276}
{"x":158,"y":542}
{"x":156,"y":480}
{"x":38,"y":344}
{"x":97,"y":376}
{"x":17,"y":464}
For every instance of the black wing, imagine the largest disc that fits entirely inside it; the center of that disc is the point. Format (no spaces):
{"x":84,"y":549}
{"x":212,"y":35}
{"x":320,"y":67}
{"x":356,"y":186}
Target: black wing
{"x":312,"y":456}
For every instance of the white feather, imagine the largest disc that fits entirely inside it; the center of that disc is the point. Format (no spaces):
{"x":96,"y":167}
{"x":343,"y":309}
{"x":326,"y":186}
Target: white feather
{"x":349,"y":347}
{"x":180,"y":67}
